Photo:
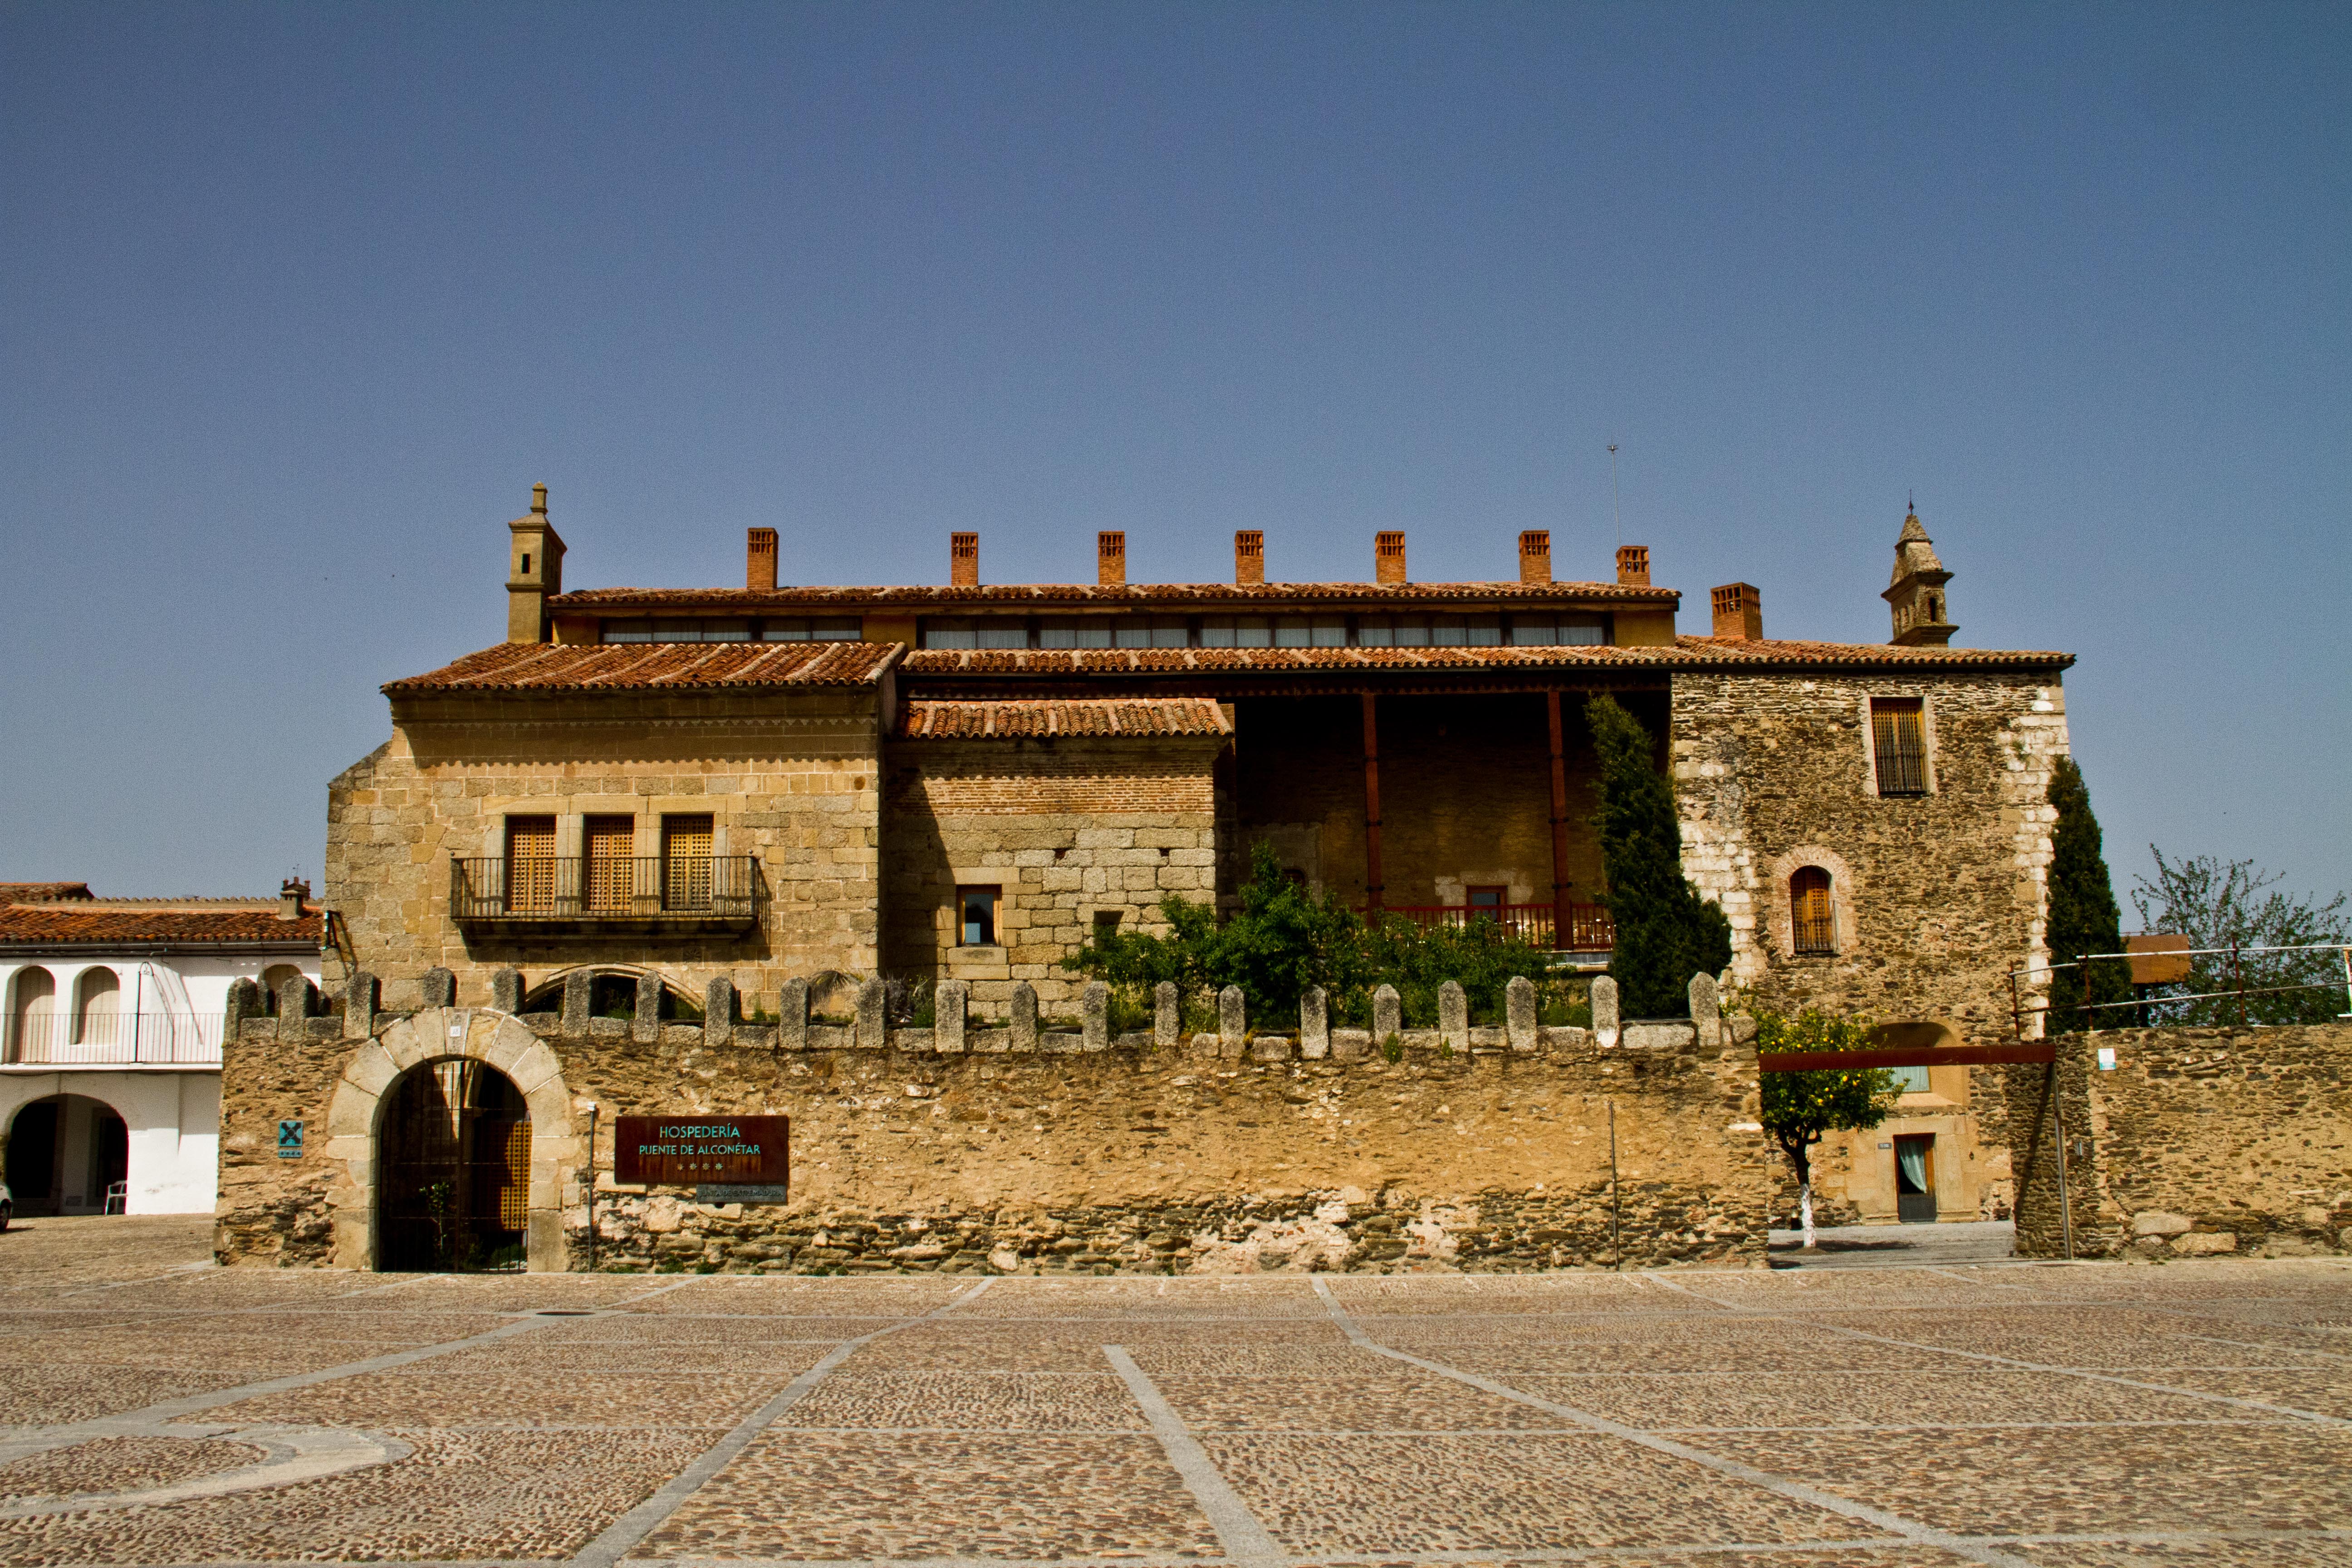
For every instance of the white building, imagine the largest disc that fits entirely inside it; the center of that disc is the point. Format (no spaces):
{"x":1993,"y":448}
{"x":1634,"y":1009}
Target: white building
{"x":110,"y":1038}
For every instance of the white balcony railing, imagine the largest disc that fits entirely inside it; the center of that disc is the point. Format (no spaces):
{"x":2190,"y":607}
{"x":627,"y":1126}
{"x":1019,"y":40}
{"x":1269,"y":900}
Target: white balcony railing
{"x":114,"y":1040}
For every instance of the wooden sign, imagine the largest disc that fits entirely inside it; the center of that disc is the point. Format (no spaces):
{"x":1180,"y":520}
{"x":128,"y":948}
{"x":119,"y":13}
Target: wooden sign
{"x":702,"y":1150}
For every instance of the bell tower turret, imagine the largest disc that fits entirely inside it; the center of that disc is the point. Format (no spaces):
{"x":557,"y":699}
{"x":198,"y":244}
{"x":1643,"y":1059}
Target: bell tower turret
{"x":534,"y":571}
{"x":1921,"y":613}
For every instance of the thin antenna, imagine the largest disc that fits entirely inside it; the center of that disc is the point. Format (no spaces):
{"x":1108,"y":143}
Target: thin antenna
{"x":1615,"y":519}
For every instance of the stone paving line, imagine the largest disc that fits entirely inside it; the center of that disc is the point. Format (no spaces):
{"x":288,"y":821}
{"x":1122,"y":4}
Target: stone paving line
{"x":624,"y":1534}
{"x":1239,"y":1531}
{"x":1892,"y":1523}
{"x":2264,"y":1406}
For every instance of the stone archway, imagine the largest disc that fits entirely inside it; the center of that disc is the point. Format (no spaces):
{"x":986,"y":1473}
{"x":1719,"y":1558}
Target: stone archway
{"x":355,"y":1115}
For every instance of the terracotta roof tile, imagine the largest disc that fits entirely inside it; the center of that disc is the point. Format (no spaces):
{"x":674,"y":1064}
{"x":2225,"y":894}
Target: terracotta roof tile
{"x":23,"y":892}
{"x":38,"y":924}
{"x":1688,"y":653}
{"x":581,"y":666}
{"x":984,"y":720}
{"x":1136,"y":596}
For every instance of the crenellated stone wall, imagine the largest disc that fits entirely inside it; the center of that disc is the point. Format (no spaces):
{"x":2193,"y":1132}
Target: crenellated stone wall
{"x":1019,"y":1149}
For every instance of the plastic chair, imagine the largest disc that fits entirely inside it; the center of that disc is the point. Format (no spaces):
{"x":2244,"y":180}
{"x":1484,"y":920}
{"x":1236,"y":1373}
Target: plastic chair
{"x":118,"y":1197}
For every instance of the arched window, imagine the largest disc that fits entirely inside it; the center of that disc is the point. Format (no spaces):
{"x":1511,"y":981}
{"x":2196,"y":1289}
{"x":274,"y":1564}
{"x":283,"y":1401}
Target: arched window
{"x":96,"y":995}
{"x":31,"y":1014}
{"x":1810,"y":918}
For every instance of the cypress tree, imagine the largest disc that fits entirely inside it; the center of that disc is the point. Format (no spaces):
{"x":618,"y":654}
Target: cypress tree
{"x":2083,"y":916}
{"x":1666,"y":932}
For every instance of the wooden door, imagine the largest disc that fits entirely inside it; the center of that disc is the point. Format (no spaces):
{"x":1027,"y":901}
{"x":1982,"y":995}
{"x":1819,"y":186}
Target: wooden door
{"x":1914,"y":1178}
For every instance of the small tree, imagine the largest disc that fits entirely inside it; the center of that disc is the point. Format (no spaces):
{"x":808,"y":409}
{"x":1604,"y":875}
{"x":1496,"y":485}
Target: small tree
{"x":1283,"y":940}
{"x":1666,"y":932}
{"x":1801,"y":1108}
{"x":2215,"y":903}
{"x":2083,"y":918}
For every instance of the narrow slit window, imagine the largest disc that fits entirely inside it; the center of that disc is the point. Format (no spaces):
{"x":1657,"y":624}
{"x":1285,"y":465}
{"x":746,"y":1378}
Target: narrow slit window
{"x":1811,"y":916}
{"x":1899,"y":742}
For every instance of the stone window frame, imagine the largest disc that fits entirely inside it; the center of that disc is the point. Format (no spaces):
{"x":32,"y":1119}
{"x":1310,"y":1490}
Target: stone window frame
{"x":996,"y":885}
{"x":1845,"y":891}
{"x":1927,"y":701}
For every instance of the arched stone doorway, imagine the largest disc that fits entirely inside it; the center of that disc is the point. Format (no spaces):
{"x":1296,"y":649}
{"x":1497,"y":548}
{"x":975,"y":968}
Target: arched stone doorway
{"x":68,"y":1154}
{"x":452,"y":1157}
{"x":358,"y":1111}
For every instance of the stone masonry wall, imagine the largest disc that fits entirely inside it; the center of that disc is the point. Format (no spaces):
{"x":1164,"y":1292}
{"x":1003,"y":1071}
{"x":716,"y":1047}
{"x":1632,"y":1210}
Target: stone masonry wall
{"x":1213,"y":1157}
{"x":1072,"y":829}
{"x":2197,"y":1141}
{"x":1938,"y":896}
{"x":792,"y":778}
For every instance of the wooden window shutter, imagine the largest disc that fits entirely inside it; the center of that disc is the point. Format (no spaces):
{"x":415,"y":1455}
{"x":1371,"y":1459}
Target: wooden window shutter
{"x":1812,"y":920}
{"x":1899,"y":742}
{"x":612,"y":847}
{"x":685,"y":862}
{"x":530,"y":865}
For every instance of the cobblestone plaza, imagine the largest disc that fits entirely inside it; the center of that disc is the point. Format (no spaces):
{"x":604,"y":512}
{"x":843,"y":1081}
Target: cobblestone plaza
{"x":160,"y":1410}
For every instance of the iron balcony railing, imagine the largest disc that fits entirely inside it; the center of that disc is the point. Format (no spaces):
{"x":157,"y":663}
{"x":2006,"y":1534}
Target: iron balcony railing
{"x":114,"y":1040}
{"x":702,"y":889}
{"x":1588,"y":928}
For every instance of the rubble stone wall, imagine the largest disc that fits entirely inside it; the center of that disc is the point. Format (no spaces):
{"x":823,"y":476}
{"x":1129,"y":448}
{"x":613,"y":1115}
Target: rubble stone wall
{"x":1938,"y":896}
{"x":1210,"y":1157}
{"x":2197,"y":1141}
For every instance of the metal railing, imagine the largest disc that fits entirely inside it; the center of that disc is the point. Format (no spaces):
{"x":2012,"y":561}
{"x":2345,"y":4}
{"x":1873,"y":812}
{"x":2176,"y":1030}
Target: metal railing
{"x":574,"y":888}
{"x":114,"y":1040}
{"x":2155,"y":998}
{"x":1589,"y":927}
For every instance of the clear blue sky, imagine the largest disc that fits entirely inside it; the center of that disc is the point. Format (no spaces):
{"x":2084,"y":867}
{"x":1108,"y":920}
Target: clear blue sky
{"x":297,"y":302}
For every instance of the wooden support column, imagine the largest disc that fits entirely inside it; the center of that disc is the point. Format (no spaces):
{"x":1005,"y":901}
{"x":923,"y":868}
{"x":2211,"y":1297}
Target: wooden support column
{"x":1372,"y":806}
{"x":1560,"y":934}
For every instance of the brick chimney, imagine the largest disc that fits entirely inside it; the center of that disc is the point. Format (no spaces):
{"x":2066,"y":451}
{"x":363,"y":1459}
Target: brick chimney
{"x":1535,"y":556}
{"x":1633,"y":566}
{"x":1388,"y":556}
{"x":1249,"y":556}
{"x":1110,"y":559}
{"x":1738,"y":613}
{"x":291,"y":894}
{"x":963,"y":561}
{"x":534,"y":571}
{"x":760,"y":559}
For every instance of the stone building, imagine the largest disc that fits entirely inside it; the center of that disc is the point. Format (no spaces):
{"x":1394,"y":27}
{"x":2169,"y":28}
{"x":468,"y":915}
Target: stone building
{"x":779,"y":785}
